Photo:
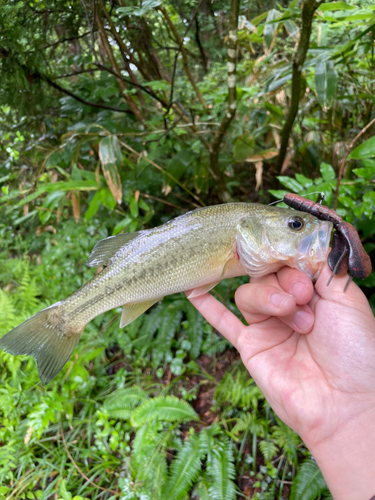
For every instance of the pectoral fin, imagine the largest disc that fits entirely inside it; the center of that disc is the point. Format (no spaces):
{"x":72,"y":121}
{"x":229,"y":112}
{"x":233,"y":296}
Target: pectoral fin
{"x":104,"y":250}
{"x":132,"y":311}
{"x":200,"y":290}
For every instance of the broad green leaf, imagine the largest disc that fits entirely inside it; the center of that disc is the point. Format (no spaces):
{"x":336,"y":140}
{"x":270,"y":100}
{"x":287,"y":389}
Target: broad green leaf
{"x":110,"y":157}
{"x":147,"y":5}
{"x":325,"y":83}
{"x":244,"y":146}
{"x":270,"y":30}
{"x":304,"y":181}
{"x":309,"y":482}
{"x":94,"y":206}
{"x":107,"y":198}
{"x":122,"y":225}
{"x":327,"y":172}
{"x":365,"y":150}
{"x":335,"y":6}
{"x":70,"y":186}
{"x":164,"y":408}
{"x":290,"y":183}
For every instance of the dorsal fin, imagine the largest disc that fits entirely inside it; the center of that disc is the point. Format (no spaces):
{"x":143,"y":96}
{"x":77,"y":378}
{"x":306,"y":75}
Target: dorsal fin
{"x":104,"y":250}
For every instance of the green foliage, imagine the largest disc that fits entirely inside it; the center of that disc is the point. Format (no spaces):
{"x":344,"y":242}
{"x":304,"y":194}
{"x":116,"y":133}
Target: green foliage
{"x":166,"y":408}
{"x":221,"y":473}
{"x":160,"y":409}
{"x":184,"y":470}
{"x":309,"y":483}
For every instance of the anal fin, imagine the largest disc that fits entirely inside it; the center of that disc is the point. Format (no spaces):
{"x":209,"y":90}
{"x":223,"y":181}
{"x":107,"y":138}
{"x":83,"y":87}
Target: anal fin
{"x":131,"y":311}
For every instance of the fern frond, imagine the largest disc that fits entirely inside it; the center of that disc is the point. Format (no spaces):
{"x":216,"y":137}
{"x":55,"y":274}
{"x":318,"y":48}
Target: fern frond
{"x":144,"y":438}
{"x":8,"y":312}
{"x":165,"y":408}
{"x":121,"y":403}
{"x":221,"y":470}
{"x":286,"y":438}
{"x":309,"y":483}
{"x":268,"y":450}
{"x":195,"y":329}
{"x":153,"y":472}
{"x":171,"y":319}
{"x":239,"y":390}
{"x":184,"y":470}
{"x":250,"y":423}
{"x":202,"y":490}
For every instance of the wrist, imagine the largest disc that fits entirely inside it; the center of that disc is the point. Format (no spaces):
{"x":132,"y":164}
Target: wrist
{"x":347,"y":458}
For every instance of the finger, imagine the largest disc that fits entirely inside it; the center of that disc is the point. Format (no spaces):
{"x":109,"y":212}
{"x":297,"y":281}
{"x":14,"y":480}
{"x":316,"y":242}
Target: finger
{"x":257,"y":302}
{"x":301,"y":321}
{"x":268,"y":279}
{"x":297,"y":284}
{"x":219,"y":317}
{"x":352,"y":297}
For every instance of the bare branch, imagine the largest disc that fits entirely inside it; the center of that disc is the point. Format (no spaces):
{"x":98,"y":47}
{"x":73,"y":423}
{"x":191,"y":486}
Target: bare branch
{"x":183,"y":53}
{"x":232,"y":100}
{"x":63,"y":40}
{"x":308,"y":11}
{"x":83,"y":101}
{"x":132,"y":105}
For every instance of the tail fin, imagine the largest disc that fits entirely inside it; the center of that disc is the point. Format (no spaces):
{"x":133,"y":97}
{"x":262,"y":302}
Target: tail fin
{"x":43,"y":337}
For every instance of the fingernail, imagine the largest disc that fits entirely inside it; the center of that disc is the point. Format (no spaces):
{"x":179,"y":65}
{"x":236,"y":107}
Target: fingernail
{"x":279,"y":299}
{"x":303,"y":320}
{"x":298,"y":289}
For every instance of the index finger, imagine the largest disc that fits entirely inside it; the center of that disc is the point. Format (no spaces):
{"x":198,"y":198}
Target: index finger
{"x":219,"y":317}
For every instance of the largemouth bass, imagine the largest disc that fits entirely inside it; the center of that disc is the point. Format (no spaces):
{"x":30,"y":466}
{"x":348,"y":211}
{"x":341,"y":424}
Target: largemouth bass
{"x":191,"y":253}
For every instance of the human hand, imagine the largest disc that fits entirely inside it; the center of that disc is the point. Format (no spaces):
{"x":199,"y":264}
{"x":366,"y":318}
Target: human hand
{"x":312,"y":355}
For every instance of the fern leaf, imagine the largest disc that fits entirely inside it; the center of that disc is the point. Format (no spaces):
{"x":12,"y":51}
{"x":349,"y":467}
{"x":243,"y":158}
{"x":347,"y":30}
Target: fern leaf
{"x":286,"y":438}
{"x":202,"y":490}
{"x":195,"y":329}
{"x":309,"y":483}
{"x":165,"y":408}
{"x":171,"y":320}
{"x":121,"y":403}
{"x":184,"y":470}
{"x":8,"y":313}
{"x":268,"y":450}
{"x":153,"y":471}
{"x":221,"y":469}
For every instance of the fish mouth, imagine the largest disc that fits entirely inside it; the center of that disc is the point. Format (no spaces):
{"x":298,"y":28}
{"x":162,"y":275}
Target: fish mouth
{"x":313,"y":250}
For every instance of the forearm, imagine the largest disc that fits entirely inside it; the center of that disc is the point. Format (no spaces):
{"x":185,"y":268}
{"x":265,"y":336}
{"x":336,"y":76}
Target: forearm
{"x":347,"y":461}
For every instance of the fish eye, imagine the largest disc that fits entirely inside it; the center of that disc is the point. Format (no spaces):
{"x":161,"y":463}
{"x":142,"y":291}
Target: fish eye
{"x":296,"y":223}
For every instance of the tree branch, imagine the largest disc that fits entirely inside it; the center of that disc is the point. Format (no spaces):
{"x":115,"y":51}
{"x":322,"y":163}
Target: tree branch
{"x":63,"y":40}
{"x":183,"y":53}
{"x":132,"y":105}
{"x":232,"y":100}
{"x":121,"y":46}
{"x":83,"y":101}
{"x":308,"y":11}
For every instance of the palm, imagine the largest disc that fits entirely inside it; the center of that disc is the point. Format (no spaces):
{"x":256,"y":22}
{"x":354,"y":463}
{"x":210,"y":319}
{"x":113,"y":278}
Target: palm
{"x":307,"y":377}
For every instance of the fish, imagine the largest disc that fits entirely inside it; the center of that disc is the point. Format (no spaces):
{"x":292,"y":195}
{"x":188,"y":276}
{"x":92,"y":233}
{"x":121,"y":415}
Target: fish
{"x":191,"y":253}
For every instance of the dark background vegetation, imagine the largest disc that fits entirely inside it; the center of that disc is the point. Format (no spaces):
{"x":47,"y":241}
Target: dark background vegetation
{"x":117,"y":116}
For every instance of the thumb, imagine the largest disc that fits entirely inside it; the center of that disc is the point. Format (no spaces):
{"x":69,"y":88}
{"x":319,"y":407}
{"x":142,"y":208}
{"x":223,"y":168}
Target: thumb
{"x":352,"y":297}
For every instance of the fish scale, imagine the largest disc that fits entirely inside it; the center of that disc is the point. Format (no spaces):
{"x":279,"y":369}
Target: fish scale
{"x":190,"y":253}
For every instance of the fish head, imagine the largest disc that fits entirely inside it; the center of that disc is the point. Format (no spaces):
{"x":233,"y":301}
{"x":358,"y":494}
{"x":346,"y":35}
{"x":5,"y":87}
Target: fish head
{"x":279,"y":237}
